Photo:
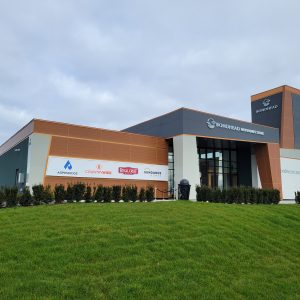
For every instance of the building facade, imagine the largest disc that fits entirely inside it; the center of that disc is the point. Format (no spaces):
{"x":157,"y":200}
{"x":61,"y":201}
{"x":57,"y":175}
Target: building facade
{"x":204,"y":148}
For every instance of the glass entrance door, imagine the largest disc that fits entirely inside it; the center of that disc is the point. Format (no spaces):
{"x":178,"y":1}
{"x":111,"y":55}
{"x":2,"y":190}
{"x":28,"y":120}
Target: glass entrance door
{"x":217,"y":163}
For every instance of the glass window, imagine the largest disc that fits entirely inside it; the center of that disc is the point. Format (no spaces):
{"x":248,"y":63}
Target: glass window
{"x":226,"y":181}
{"x":226,"y":155}
{"x":211,"y":180}
{"x":217,"y":162}
{"x":202,"y":154}
{"x":210,"y":153}
{"x":233,"y":155}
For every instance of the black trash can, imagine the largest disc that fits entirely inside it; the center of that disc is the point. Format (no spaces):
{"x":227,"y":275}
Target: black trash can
{"x":184,"y":190}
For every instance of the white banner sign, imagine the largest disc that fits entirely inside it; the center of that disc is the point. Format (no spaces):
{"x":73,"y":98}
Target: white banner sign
{"x":290,"y":177}
{"x":88,"y":168}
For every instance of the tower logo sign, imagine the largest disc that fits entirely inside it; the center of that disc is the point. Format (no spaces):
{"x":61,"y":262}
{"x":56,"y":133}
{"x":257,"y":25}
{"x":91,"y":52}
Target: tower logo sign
{"x":266,"y":106}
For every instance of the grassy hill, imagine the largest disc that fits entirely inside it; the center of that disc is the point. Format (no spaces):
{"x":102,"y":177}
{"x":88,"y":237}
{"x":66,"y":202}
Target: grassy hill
{"x":177,"y":250}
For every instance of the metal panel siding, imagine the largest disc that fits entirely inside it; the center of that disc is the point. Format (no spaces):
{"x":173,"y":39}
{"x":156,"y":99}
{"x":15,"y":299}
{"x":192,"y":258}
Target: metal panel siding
{"x":296,"y":113}
{"x":196,"y":123}
{"x":187,"y":121}
{"x":17,"y":138}
{"x":270,"y":117}
{"x":12,"y":160}
{"x":167,"y":125}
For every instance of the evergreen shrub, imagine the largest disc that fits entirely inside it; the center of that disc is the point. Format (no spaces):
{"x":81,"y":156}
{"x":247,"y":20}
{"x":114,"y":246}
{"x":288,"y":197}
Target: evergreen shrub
{"x":59,"y":193}
{"x":149,"y":193}
{"x":25,"y":198}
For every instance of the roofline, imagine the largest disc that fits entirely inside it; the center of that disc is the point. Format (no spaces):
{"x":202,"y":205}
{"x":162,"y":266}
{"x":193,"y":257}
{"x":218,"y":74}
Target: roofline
{"x":200,"y":111}
{"x":165,"y":114}
{"x":273,"y":91}
{"x":10,"y":143}
{"x":91,"y":127}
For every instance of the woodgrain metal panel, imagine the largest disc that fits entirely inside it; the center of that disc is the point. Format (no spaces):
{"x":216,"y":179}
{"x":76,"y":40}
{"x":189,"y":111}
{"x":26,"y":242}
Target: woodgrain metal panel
{"x":118,"y":152}
{"x":271,"y":92}
{"x":268,"y":162}
{"x":84,"y":132}
{"x":143,"y":154}
{"x":287,"y":139}
{"x":52,"y":128}
{"x":80,"y":148}
{"x":59,"y":146}
{"x":83,"y":148}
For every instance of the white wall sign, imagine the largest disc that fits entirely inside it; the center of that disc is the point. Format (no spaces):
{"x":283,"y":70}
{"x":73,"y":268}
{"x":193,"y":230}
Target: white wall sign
{"x":211,"y":124}
{"x":290,"y":177}
{"x":88,"y":168}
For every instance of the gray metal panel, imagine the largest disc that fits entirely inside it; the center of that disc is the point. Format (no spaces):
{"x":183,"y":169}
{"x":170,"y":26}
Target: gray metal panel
{"x":167,"y":125}
{"x":196,"y":123}
{"x":15,"y":158}
{"x":17,"y":137}
{"x":296,"y":115}
{"x":266,"y":112}
{"x":187,"y":121}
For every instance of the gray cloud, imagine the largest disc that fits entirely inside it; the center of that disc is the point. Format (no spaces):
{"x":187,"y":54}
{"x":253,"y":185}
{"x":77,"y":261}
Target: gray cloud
{"x":112,"y":64}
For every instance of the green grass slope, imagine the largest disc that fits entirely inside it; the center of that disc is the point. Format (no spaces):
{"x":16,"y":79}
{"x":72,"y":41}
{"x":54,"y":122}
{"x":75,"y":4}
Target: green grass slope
{"x":172,"y":250}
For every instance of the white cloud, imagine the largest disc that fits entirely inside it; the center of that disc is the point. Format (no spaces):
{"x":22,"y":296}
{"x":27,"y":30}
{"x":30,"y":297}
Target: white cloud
{"x":78,"y":92}
{"x":115,"y":63}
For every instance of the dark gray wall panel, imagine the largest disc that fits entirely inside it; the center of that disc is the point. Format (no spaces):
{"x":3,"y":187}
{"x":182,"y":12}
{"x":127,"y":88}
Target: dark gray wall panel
{"x":244,"y":164}
{"x":196,"y":123}
{"x":12,"y":160}
{"x":296,"y":115}
{"x":269,"y":115}
{"x":167,"y":125}
{"x":187,"y":121}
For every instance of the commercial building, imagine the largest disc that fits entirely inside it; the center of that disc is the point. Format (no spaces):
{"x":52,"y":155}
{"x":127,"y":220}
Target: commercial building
{"x":204,"y":148}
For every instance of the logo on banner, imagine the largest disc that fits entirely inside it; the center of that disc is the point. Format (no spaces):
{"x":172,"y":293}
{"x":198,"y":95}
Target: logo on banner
{"x":148,"y":171}
{"x":128,"y":170}
{"x":98,"y":170}
{"x":68,"y":165}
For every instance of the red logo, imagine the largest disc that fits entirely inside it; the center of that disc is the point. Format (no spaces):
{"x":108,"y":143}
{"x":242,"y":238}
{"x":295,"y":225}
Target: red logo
{"x":128,"y":171}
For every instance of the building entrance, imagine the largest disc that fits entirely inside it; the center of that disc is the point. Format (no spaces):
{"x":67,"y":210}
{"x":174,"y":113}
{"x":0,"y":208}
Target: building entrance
{"x":217,"y":163}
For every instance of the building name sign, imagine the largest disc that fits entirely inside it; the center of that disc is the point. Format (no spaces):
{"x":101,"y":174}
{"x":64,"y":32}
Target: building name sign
{"x":211,"y":123}
{"x":89,"y":168}
{"x":267,"y":106}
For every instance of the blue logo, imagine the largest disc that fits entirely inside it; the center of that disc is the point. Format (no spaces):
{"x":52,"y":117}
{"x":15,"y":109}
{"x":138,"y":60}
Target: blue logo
{"x":68,"y":165}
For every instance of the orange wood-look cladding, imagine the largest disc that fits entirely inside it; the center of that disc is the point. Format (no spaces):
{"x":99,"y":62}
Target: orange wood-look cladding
{"x":268,"y":162}
{"x":274,"y":91}
{"x":93,"y":143}
{"x":287,"y":121}
{"x":268,"y":93}
{"x":69,"y":147}
{"x":90,"y":133}
{"x":161,"y":185}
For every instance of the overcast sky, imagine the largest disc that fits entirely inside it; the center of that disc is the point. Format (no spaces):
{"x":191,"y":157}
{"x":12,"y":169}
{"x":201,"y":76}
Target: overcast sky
{"x":112,"y":64}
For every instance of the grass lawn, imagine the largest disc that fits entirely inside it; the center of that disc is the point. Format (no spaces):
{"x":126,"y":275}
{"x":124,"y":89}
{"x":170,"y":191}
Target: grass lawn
{"x":171,"y":250}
